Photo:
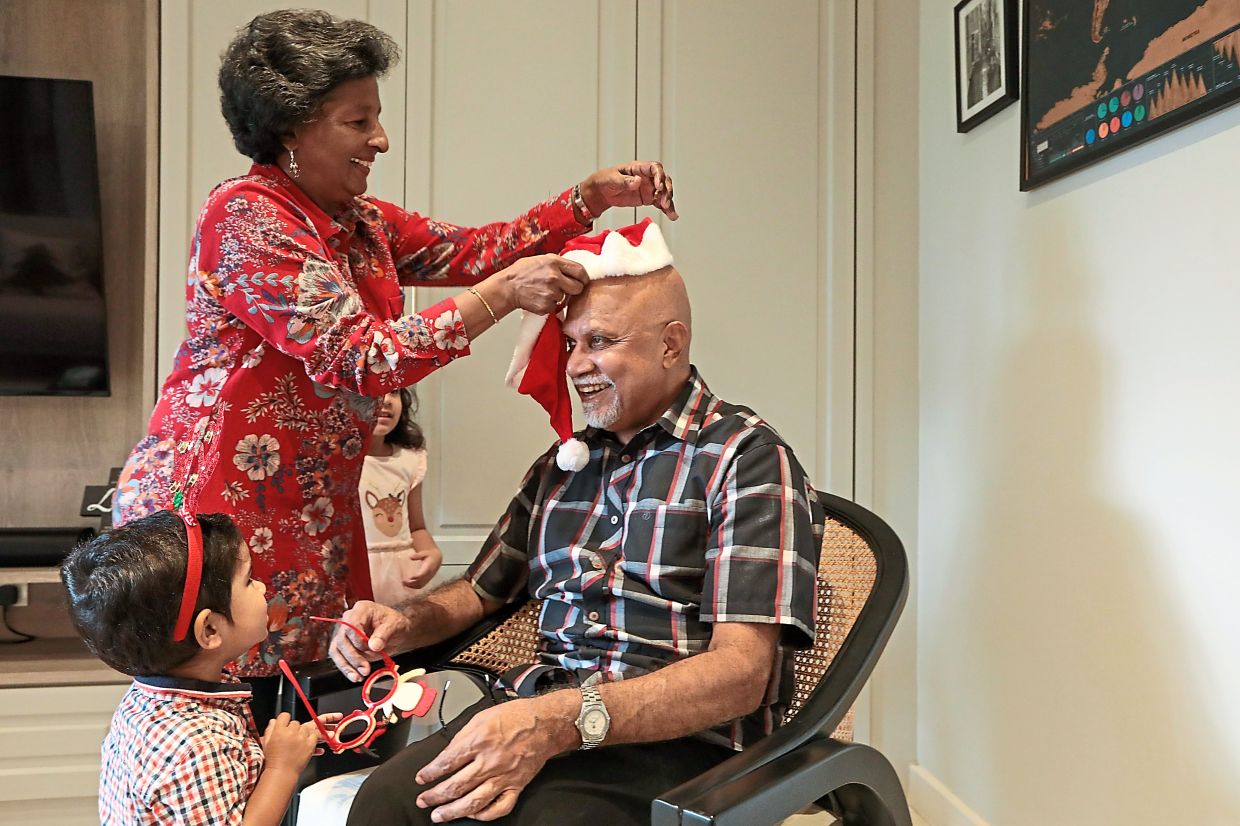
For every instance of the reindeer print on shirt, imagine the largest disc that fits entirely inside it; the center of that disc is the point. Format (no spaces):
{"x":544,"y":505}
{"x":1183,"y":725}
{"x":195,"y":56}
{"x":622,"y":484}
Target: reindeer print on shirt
{"x":387,"y":511}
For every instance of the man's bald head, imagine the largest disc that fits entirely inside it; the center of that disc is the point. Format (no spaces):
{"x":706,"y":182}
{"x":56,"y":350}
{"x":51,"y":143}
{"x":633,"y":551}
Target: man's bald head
{"x":657,"y":295}
{"x":629,"y":348}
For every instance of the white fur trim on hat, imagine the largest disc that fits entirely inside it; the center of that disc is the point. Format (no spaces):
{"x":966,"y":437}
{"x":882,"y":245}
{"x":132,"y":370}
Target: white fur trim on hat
{"x":531,"y":326}
{"x":619,"y":257}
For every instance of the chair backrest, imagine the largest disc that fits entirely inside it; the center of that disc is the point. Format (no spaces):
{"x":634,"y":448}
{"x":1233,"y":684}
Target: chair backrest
{"x":862,"y":585}
{"x":512,"y":643}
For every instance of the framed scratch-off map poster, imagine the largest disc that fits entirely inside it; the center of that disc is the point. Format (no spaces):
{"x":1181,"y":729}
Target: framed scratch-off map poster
{"x":1103,"y":75}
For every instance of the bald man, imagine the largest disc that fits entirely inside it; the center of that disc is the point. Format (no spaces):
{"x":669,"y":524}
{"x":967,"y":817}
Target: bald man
{"x":676,"y":572}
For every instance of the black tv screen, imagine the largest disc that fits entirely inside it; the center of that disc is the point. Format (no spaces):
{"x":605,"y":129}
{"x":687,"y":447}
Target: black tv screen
{"x":53,"y":336}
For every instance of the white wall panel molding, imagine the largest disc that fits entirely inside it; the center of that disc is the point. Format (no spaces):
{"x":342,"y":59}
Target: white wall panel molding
{"x":839,"y":320}
{"x":517,"y":103}
{"x":936,"y":803}
{"x":753,"y":115}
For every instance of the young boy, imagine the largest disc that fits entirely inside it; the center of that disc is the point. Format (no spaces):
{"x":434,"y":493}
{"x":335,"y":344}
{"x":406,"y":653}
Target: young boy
{"x":182,"y":747}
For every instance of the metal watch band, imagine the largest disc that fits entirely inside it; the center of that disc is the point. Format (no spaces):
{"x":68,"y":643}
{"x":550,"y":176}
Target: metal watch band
{"x":589,"y":697}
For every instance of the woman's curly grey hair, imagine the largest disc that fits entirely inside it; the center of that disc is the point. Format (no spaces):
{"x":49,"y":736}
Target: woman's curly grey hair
{"x":278,"y":68}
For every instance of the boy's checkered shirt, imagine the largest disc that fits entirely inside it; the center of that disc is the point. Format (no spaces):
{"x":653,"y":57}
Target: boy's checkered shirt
{"x":179,"y":751}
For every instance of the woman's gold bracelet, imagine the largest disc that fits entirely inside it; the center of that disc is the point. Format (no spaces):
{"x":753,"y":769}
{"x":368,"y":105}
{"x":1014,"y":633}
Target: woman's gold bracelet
{"x":478,"y":295}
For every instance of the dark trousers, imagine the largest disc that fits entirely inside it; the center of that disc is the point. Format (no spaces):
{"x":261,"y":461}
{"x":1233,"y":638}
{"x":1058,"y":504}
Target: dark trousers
{"x":612,"y":785}
{"x":265,"y":699}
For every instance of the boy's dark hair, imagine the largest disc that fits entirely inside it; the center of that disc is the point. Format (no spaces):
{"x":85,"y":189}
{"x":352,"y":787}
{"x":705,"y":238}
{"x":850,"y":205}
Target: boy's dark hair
{"x":125,"y":589}
{"x":406,"y":432}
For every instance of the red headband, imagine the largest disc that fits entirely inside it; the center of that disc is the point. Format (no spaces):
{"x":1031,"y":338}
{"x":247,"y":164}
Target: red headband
{"x":193,"y":576}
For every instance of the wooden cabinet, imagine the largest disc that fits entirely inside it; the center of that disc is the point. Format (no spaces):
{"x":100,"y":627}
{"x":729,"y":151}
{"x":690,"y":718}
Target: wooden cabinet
{"x":49,"y":752}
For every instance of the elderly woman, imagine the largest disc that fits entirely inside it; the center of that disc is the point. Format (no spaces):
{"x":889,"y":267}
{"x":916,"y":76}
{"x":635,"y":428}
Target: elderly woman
{"x":296,"y":320}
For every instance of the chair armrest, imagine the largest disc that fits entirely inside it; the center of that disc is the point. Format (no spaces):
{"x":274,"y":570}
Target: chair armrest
{"x":787,"y":784}
{"x":735,"y":768}
{"x":322,"y":677}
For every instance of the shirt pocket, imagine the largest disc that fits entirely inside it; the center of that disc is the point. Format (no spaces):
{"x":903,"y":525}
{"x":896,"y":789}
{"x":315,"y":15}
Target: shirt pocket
{"x":665,"y":547}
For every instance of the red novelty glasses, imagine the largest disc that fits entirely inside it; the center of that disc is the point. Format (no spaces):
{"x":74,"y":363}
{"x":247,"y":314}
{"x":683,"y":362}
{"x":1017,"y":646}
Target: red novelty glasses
{"x":389,"y":697}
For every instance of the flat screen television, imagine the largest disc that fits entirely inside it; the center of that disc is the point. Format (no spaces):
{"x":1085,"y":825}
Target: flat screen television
{"x":53,"y":334}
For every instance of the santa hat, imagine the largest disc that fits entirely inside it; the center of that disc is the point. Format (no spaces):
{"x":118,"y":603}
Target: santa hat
{"x":540,"y":360}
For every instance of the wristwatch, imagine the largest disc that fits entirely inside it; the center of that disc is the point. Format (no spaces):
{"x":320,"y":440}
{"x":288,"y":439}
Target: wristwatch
{"x":593,"y":721}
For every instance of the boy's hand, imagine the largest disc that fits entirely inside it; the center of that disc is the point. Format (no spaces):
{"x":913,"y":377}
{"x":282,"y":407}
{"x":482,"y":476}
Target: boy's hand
{"x":289,"y":745}
{"x":425,"y":565}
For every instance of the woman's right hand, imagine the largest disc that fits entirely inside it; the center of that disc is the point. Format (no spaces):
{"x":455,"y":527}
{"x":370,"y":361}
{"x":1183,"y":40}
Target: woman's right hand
{"x":540,"y":283}
{"x":383,"y":625}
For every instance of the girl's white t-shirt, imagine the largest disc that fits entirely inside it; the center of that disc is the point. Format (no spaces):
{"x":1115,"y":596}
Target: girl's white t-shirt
{"x":384,"y":489}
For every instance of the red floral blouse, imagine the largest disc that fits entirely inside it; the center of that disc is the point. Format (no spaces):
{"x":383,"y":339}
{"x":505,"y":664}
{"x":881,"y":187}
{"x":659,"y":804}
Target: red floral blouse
{"x":296,"y":326}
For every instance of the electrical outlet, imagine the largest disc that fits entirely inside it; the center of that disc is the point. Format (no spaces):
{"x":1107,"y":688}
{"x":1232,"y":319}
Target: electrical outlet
{"x":13,"y":594}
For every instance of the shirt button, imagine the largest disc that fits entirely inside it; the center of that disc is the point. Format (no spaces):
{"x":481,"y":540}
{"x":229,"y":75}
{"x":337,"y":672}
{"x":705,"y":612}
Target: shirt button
{"x":626,"y":458}
{"x":615,"y":520}
{"x":593,"y":616}
{"x":598,"y":564}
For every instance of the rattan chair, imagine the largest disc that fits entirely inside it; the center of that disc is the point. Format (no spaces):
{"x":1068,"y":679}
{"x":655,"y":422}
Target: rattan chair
{"x":862,"y":586}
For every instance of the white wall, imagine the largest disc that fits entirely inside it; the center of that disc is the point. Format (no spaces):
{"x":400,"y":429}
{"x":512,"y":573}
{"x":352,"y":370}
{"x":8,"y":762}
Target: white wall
{"x":1078,"y":454}
{"x":887,"y":334}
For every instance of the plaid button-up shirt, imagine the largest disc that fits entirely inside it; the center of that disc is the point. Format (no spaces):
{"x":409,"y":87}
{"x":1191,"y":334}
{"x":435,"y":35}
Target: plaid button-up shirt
{"x":179,"y":751}
{"x":705,"y":517}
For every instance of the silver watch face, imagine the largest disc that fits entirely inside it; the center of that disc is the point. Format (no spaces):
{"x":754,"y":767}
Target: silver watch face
{"x":594,"y":723}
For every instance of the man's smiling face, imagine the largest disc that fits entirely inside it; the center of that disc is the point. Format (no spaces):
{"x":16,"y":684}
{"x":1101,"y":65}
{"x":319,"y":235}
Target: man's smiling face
{"x":622,"y":361}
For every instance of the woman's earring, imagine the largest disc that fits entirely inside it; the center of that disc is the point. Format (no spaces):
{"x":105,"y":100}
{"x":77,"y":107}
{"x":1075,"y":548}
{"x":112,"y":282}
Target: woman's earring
{"x":293,"y":169}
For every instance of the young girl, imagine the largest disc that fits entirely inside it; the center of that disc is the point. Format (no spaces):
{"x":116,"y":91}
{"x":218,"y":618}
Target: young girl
{"x":403,"y":554}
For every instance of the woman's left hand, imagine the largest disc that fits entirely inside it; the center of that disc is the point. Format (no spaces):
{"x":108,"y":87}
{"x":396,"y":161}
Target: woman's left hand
{"x":638,"y":183}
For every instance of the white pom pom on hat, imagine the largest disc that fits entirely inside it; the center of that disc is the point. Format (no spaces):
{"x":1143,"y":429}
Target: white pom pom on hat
{"x":540,"y":361}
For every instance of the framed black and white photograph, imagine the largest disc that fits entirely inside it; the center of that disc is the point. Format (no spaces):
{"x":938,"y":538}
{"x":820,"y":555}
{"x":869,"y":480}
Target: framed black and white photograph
{"x":986,"y":59}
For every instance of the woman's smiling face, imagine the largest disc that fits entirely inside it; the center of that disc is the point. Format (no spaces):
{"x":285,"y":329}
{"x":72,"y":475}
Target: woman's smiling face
{"x":335,"y":150}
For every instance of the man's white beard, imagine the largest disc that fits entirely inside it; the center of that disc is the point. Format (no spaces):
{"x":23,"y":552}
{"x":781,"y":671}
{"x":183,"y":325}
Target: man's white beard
{"x":597,"y":415}
{"x":603,"y":418}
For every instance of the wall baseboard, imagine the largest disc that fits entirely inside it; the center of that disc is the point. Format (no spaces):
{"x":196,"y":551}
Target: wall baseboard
{"x":936,"y":803}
